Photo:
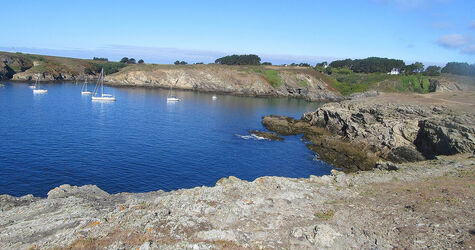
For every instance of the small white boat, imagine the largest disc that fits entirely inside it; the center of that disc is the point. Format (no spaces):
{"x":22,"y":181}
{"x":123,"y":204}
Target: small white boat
{"x":37,"y":89}
{"x":173,"y":99}
{"x":100,"y":85}
{"x":84,"y":90}
{"x":2,"y":85}
{"x":214,"y":97}
{"x":170,"y":97}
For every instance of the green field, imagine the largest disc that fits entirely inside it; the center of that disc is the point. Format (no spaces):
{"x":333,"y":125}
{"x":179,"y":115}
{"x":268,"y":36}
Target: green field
{"x":348,"y":82}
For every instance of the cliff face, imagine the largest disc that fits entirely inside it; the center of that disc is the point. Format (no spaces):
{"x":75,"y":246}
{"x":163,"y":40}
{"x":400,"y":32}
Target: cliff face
{"x":10,"y":64}
{"x":228,"y":79}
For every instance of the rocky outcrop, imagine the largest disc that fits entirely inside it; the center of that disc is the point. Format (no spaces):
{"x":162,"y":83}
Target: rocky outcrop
{"x":338,"y":211}
{"x":11,"y":64}
{"x":5,"y":71}
{"x":398,"y":132}
{"x":227,"y":79}
{"x":446,"y":136}
{"x":17,"y":63}
{"x":356,"y":133}
{"x":332,"y":149}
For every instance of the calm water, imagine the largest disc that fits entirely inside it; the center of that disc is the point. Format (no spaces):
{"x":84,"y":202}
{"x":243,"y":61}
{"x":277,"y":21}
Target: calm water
{"x":140,"y":143}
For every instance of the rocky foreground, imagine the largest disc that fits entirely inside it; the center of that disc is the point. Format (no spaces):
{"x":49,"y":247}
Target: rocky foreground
{"x":414,"y":205}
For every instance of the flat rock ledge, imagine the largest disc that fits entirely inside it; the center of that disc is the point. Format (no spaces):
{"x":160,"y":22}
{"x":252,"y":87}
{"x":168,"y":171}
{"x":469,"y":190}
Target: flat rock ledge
{"x":427,"y":204}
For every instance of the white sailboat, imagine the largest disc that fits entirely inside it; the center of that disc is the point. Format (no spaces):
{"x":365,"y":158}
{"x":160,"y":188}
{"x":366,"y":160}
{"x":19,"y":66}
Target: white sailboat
{"x":84,"y":90}
{"x":214,"y":98}
{"x":100,"y":85}
{"x":170,"y":97}
{"x":37,"y":89}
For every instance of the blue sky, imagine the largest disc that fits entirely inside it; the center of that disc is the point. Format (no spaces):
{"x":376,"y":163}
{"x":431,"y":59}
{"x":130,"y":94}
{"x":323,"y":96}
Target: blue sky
{"x":431,"y":31}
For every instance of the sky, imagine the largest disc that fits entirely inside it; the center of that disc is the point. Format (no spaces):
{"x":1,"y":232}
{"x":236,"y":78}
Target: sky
{"x":430,"y":31}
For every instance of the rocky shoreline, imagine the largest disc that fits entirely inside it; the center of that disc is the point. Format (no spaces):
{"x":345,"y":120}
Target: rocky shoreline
{"x":353,"y":135}
{"x":424,"y":204}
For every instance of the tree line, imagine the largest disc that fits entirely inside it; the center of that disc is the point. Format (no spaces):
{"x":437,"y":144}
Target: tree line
{"x":239,"y":60}
{"x":384,"y":65}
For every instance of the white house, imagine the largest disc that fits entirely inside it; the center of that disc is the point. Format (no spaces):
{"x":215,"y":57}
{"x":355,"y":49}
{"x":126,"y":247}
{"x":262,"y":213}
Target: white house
{"x":394,"y":71}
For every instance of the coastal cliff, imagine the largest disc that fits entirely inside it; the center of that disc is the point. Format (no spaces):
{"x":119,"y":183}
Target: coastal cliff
{"x":295,"y":82}
{"x":240,"y":80}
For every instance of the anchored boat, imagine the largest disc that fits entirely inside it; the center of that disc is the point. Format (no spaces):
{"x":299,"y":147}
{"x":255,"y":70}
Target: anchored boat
{"x":84,"y":90}
{"x":100,"y":85}
{"x":170,"y":97}
{"x":37,"y":89}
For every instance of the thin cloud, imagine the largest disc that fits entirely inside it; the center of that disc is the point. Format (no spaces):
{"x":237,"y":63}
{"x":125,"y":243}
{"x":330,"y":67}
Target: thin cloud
{"x":452,"y":41}
{"x":464,"y":43}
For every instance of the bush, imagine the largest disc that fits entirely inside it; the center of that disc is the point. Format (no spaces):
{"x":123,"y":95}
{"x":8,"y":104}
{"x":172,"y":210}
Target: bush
{"x":266,"y":63}
{"x":109,"y":67}
{"x":140,"y":61}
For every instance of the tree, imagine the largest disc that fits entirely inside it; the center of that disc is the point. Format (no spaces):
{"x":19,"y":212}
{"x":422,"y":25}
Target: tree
{"x":419,"y":67}
{"x":304,"y":65}
{"x":183,"y":63}
{"x":369,"y":65}
{"x":124,"y":60}
{"x":140,"y":61}
{"x":458,"y":68}
{"x":177,"y":62}
{"x":322,"y":64}
{"x":266,"y":63}
{"x":131,"y":61}
{"x":100,"y":59}
{"x":239,"y":60}
{"x":432,"y":71}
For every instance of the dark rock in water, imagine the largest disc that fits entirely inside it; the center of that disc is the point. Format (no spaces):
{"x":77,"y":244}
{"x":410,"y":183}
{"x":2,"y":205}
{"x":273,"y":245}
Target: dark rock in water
{"x":268,"y":135}
{"x":331,"y":148}
{"x":405,"y":154}
{"x":445,"y":137}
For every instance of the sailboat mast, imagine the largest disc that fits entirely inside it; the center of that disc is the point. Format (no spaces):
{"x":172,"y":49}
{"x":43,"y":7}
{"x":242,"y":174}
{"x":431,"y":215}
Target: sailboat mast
{"x":102,"y":82}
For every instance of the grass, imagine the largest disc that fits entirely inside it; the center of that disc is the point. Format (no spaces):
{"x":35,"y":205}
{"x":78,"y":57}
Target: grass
{"x":272,"y":76}
{"x":303,"y":83}
{"x":325,"y":215}
{"x":349,"y":83}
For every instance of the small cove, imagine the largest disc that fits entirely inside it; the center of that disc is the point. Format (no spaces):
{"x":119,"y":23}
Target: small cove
{"x":140,"y":142}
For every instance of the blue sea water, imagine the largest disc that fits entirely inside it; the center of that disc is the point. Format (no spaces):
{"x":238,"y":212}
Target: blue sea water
{"x":140,"y":142}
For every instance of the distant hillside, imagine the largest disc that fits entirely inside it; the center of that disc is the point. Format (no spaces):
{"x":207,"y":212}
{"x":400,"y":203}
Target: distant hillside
{"x":253,"y":80}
